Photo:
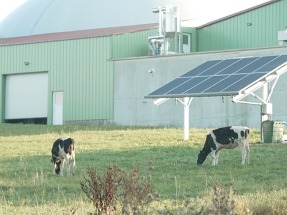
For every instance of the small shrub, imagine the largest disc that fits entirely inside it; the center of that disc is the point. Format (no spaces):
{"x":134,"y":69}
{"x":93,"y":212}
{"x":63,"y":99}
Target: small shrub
{"x":223,"y":201}
{"x":117,"y":188}
{"x":102,"y":191}
{"x":136,"y":193}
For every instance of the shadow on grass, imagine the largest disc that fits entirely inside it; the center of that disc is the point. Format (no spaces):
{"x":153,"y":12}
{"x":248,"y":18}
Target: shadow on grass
{"x":32,"y":129}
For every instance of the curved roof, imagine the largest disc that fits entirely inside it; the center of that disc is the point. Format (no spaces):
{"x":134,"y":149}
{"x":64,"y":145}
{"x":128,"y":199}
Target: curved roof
{"x":51,"y":16}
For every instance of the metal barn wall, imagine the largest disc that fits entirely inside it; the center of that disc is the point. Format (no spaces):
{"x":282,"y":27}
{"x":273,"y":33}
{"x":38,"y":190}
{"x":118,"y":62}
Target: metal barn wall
{"x":132,"y":44}
{"x":77,"y":67}
{"x":253,"y":29}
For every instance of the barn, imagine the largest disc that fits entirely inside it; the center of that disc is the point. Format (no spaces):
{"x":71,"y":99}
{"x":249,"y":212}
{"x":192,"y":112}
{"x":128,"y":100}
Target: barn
{"x":94,"y":74}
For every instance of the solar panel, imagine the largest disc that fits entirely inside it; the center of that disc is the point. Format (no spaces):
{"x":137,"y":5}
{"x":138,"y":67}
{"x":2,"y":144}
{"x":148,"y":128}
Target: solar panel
{"x":220,"y":77}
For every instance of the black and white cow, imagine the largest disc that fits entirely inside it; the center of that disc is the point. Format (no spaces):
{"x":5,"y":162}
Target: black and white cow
{"x":63,"y":153}
{"x":225,"y":138}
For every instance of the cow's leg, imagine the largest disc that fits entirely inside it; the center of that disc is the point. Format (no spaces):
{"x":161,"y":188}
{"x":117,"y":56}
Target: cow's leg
{"x":213,"y":155}
{"x":54,"y":169}
{"x":62,"y":167}
{"x":216,"y":157}
{"x":73,"y":164}
{"x":68,"y":166}
{"x":247,"y":152}
{"x":243,"y":153}
{"x":54,"y":162}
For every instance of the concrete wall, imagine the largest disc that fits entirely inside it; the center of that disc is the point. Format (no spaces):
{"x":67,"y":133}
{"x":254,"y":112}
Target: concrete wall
{"x":133,"y":81}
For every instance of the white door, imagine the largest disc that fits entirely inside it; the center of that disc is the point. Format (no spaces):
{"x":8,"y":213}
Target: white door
{"x":186,"y":43}
{"x":58,"y":108}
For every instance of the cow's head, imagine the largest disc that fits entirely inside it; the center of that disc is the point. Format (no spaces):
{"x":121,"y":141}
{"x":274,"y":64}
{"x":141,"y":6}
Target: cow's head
{"x":202,"y":156}
{"x":208,"y":145}
{"x":57,"y":164}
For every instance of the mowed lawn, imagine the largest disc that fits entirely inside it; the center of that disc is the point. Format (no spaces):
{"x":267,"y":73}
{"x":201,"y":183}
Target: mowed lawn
{"x":27,"y":185}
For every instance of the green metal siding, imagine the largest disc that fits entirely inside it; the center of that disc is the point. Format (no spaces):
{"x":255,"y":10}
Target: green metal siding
{"x":81,"y":68}
{"x":77,"y":67}
{"x":193,"y":33}
{"x":235,"y":33}
{"x":132,"y":44}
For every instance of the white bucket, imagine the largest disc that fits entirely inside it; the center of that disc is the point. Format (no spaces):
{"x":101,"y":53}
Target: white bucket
{"x":284,"y":138}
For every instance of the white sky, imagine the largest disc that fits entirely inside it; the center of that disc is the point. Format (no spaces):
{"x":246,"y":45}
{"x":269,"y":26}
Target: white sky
{"x":7,"y":6}
{"x":202,"y":9}
{"x":208,"y":10}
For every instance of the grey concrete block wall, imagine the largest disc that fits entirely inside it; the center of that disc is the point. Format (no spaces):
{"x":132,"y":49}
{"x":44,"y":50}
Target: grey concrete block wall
{"x":134,"y":80}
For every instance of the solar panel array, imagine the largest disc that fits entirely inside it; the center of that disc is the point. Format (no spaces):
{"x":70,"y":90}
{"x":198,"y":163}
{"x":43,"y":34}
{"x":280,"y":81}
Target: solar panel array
{"x":220,"y":77}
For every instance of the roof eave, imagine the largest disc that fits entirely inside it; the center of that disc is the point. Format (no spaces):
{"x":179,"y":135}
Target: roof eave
{"x":81,"y":34}
{"x":236,"y":14}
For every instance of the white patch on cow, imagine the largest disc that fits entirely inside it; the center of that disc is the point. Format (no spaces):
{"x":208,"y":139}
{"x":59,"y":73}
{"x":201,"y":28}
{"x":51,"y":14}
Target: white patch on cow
{"x":242,"y":142}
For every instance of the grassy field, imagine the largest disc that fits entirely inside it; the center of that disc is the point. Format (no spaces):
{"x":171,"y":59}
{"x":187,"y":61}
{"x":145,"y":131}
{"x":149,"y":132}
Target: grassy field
{"x":27,"y":185}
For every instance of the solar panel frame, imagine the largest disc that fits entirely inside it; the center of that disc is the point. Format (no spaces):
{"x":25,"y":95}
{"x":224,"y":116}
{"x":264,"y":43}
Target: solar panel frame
{"x":220,"y":77}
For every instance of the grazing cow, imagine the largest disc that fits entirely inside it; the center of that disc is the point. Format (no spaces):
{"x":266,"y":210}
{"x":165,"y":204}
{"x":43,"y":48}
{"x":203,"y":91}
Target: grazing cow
{"x":63,"y":153}
{"x":225,"y":138}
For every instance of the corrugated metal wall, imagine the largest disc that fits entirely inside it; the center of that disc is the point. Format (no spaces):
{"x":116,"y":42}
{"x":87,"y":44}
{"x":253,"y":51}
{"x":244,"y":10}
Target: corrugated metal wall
{"x":132,"y":44}
{"x":81,"y":68}
{"x":77,"y":67}
{"x":253,"y":29}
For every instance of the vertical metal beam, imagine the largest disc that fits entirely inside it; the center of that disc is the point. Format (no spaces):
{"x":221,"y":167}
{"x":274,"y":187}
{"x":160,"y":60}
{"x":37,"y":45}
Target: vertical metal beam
{"x":265,"y":98}
{"x":186,"y":104}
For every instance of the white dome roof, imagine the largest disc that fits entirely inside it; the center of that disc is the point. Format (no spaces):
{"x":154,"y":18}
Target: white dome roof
{"x":50,"y":16}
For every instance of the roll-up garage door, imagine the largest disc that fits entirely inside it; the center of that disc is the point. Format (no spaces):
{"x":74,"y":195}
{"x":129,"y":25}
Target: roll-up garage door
{"x":26,"y":96}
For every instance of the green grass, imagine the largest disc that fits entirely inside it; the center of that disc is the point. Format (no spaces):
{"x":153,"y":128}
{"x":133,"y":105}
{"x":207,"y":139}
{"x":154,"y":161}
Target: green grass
{"x":27,"y":185}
